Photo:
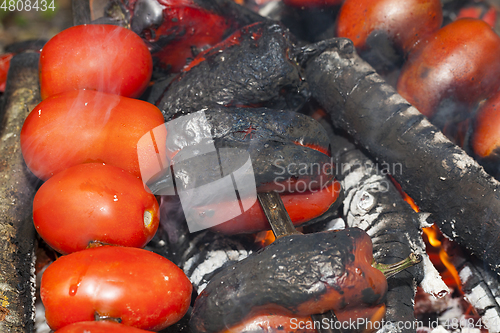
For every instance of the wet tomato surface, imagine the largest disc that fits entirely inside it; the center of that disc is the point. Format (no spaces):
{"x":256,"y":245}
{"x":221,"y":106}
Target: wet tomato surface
{"x":103,"y":57}
{"x":86,"y":126}
{"x":141,"y":288}
{"x":94,"y":202}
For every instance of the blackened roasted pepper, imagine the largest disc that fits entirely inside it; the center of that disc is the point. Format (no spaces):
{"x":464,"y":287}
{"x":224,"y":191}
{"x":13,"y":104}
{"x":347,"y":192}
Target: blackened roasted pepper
{"x":297,"y":276}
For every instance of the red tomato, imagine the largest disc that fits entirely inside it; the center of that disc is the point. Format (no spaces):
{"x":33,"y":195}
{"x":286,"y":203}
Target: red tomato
{"x":104,"y":326}
{"x":191,"y":28}
{"x":86,"y":126}
{"x":103,"y":57}
{"x":405,"y":22}
{"x":485,"y":139}
{"x":4,"y":69}
{"x":94,"y":202}
{"x":458,"y":62}
{"x":481,"y":10}
{"x":141,"y":288}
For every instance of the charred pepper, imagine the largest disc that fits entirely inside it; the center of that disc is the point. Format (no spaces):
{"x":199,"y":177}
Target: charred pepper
{"x":297,"y":275}
{"x":252,"y":67}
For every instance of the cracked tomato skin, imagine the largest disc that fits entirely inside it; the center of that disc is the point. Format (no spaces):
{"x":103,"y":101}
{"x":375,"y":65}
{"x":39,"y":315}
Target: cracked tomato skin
{"x":104,"y":326}
{"x":85,"y":126}
{"x":98,"y":57}
{"x":141,"y":288}
{"x":94,"y":202}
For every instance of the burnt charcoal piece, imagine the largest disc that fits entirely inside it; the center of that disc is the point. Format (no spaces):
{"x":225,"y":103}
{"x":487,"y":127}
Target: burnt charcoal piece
{"x":250,"y":68}
{"x":293,"y":274}
{"x":17,"y":234}
{"x":33,"y":45}
{"x":284,"y":147}
{"x":375,"y":205}
{"x":442,"y":179}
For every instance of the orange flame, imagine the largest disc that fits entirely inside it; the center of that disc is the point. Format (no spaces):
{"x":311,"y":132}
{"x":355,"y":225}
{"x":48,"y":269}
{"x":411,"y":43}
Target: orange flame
{"x":434,"y":237}
{"x":264,"y":238}
{"x":405,"y":196}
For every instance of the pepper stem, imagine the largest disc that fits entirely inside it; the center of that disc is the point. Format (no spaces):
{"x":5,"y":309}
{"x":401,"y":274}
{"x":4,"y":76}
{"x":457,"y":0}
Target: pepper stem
{"x":390,"y":270}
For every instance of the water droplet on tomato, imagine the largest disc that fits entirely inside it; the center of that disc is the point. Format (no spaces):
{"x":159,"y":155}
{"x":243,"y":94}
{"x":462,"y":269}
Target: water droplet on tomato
{"x":73,"y":289}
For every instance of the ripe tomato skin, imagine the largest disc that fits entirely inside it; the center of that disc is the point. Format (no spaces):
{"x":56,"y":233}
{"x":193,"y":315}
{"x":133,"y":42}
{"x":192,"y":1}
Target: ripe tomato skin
{"x":142,"y":288}
{"x":4,"y":69}
{"x":99,"y":57}
{"x":103,"y":326}
{"x":192,"y":27}
{"x":459,"y":61}
{"x":485,"y":138}
{"x":94,"y":202}
{"x":86,"y":126}
{"x":404,"y":21}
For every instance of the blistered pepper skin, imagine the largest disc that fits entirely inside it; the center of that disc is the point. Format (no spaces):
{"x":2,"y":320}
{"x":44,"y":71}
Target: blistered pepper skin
{"x":297,"y":275}
{"x":251,"y":68}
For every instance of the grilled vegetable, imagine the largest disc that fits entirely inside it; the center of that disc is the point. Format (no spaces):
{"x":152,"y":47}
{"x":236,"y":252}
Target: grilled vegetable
{"x":485,"y":141}
{"x":297,"y":275}
{"x":86,"y":126}
{"x":454,"y":68}
{"x":402,"y":22}
{"x":276,"y":141}
{"x":94,"y":202}
{"x":304,"y":207}
{"x":176,"y":30}
{"x":99,"y":57}
{"x":138,"y":287}
{"x":252,"y":67}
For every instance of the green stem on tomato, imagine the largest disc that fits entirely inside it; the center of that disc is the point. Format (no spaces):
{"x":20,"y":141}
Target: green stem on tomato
{"x":390,"y":270}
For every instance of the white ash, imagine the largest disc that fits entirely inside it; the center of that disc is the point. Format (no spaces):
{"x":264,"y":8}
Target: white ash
{"x":433,"y":283}
{"x":40,"y":322}
{"x":423,"y":219}
{"x":480,"y":298}
{"x":214,"y":260}
{"x":440,"y":329}
{"x":471,"y":330}
{"x":491,"y":320}
{"x":335,"y":224}
{"x":453,"y":311}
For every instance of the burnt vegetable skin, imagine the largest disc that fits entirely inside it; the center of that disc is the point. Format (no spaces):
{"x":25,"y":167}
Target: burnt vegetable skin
{"x":297,"y":274}
{"x":276,"y":141}
{"x":252,"y":67}
{"x":240,"y":126}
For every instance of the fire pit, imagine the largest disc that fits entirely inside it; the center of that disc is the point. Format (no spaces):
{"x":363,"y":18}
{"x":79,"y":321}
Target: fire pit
{"x":387,"y":155}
